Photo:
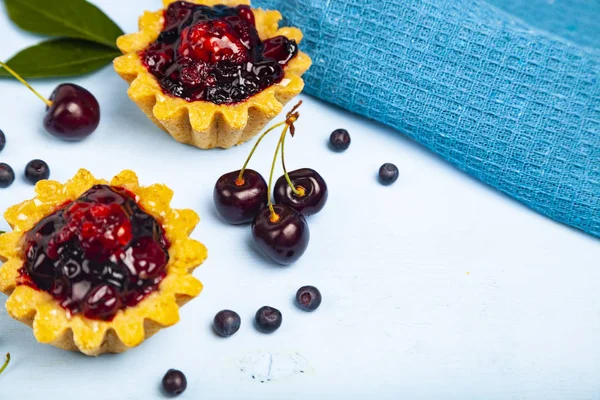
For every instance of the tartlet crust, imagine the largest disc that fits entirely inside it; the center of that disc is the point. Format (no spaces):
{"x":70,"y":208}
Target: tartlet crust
{"x":202,"y":123}
{"x":50,"y":322}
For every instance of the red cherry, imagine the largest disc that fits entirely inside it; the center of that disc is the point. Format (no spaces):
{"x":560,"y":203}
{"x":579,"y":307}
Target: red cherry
{"x":283,"y":240}
{"x":237,"y":202}
{"x":74,"y":113}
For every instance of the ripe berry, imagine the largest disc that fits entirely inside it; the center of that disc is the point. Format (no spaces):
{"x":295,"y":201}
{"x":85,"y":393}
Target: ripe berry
{"x":339,"y":140}
{"x":268,"y":319}
{"x":7,"y":175}
{"x":174,"y":382}
{"x":238,"y":202}
{"x":226,"y":323}
{"x":283,"y":239}
{"x":308,"y":298}
{"x":388,"y":174}
{"x":37,"y":170}
{"x":311,"y":191}
{"x":2,"y":140}
{"x":74,"y":113}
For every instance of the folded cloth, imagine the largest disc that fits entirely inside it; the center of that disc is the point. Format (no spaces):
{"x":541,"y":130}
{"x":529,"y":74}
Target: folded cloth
{"x":514,"y":102}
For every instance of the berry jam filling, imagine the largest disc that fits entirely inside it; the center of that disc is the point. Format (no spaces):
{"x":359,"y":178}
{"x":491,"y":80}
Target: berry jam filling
{"x":97,"y":255}
{"x":215,"y":54}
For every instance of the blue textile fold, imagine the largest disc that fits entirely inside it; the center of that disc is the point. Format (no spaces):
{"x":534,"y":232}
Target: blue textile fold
{"x":506,"y":90}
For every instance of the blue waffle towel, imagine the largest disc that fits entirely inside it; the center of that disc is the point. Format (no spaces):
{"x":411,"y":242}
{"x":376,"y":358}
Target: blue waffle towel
{"x":506,"y":90}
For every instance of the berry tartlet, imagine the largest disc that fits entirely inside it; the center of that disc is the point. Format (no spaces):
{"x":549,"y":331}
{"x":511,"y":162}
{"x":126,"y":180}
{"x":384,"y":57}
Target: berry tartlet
{"x":212,"y":73}
{"x":99,"y":267}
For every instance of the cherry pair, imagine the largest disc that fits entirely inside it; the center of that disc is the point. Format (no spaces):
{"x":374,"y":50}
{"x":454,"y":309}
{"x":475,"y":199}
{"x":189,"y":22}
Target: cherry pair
{"x":280,"y":230}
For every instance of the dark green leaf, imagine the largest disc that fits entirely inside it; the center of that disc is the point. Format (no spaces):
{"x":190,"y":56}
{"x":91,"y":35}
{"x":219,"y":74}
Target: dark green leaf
{"x":60,"y":57}
{"x":71,"y":18}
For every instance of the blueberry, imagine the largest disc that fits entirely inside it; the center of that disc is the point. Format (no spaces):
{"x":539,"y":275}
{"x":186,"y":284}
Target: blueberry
{"x":2,"y":140}
{"x":226,"y":323}
{"x":308,"y":298}
{"x":174,"y":382}
{"x":7,"y":175}
{"x":268,"y":319}
{"x":37,"y":170}
{"x":339,"y":140}
{"x":388,"y":174}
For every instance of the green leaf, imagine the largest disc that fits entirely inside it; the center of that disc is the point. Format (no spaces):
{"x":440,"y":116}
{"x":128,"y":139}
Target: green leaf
{"x":60,"y":57}
{"x":70,"y":18}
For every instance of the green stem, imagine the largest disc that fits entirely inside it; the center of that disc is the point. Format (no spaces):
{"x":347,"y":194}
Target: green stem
{"x":274,"y":215}
{"x":24,"y":82}
{"x":240,"y":179}
{"x":300,"y":191}
{"x":5,"y":363}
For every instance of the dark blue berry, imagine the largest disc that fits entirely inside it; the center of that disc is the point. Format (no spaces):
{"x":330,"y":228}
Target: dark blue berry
{"x":388,"y":174}
{"x":2,"y":140}
{"x":339,"y":140}
{"x":174,"y":382}
{"x":226,"y":323}
{"x":268,"y":319}
{"x":7,"y":175}
{"x":37,"y":170}
{"x":308,"y":298}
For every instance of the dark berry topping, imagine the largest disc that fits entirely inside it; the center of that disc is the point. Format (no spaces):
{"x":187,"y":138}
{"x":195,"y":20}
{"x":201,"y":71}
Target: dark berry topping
{"x":308,"y":298}
{"x":215,"y":54}
{"x":226,"y":323}
{"x":339,"y":140}
{"x":7,"y":175}
{"x":74,"y":113}
{"x":97,"y":255}
{"x":2,"y":140}
{"x":238,"y":201}
{"x":388,"y":174}
{"x":284,"y":240}
{"x":268,"y":319}
{"x":311,"y":191}
{"x":36,"y":170}
{"x":174,"y":382}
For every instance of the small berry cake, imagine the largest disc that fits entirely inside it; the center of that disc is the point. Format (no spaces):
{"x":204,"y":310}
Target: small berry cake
{"x":212,"y":73}
{"x":98,"y":267}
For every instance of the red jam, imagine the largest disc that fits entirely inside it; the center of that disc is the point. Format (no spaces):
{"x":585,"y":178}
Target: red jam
{"x":215,"y":54}
{"x":97,"y":255}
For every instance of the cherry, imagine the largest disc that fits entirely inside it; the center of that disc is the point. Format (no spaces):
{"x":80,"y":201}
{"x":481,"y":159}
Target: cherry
{"x":306,"y":192}
{"x":102,"y":303}
{"x":174,"y":382}
{"x":226,"y":323}
{"x":2,"y":140}
{"x":36,"y":170}
{"x":7,"y":175}
{"x":388,"y":174}
{"x":283,"y":239}
{"x":72,"y":112}
{"x":280,"y":48}
{"x":237,"y":199}
{"x":339,"y":140}
{"x":268,"y":319}
{"x":308,"y":298}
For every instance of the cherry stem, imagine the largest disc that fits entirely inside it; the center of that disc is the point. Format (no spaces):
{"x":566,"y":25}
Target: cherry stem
{"x":299,"y":191}
{"x":24,"y":82}
{"x":240,"y":180}
{"x":5,"y":363}
{"x":274,"y":216}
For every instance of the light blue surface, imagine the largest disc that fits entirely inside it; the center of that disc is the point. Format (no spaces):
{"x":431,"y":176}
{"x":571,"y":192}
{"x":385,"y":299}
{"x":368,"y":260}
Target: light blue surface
{"x":434,"y":288}
{"x":513,"y":105}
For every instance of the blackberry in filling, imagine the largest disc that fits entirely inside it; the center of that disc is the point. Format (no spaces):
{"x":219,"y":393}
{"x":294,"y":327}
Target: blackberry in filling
{"x":96,"y":255}
{"x":215,"y":54}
